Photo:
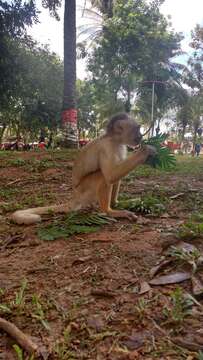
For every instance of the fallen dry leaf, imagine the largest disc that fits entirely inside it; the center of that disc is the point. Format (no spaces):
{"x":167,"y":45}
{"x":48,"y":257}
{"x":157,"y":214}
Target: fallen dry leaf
{"x":188,"y":248}
{"x":142,"y":220}
{"x":171,"y":278}
{"x":96,"y":323}
{"x":187,"y":343}
{"x":144,"y":288}
{"x":165,"y":216}
{"x":197,"y":286}
{"x":81,"y":260}
{"x":159,"y":267}
{"x":200,"y":261}
{"x":134,"y":342}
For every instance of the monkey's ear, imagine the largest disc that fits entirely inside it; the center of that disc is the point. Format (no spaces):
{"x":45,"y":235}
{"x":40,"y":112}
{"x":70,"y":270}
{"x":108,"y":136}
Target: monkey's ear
{"x":118,"y":127}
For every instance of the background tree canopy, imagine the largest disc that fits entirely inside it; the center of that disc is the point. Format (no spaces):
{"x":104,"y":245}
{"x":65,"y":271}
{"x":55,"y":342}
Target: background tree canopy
{"x":134,"y":47}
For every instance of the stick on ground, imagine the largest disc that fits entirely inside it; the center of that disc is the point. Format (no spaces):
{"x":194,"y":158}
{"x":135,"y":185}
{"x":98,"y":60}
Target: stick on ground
{"x":23,"y":340}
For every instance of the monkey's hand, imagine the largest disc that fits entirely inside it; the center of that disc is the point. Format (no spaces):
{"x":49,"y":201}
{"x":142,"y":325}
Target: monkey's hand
{"x":149,"y":150}
{"x":152,"y":155}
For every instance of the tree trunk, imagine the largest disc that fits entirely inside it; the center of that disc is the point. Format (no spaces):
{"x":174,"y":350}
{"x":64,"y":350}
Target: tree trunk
{"x":69,"y":114}
{"x":2,"y":130}
{"x":128,"y":103}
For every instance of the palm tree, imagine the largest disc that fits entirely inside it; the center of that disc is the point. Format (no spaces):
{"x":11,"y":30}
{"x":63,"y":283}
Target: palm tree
{"x":69,"y":111}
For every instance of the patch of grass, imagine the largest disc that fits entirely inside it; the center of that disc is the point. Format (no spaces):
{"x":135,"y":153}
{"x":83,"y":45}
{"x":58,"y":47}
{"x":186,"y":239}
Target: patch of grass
{"x":18,"y":303}
{"x":38,"y":312}
{"x":74,"y":223}
{"x":35,"y":165}
{"x":63,"y":347}
{"x":32,"y":201}
{"x":180,"y":308}
{"x":185,"y":165}
{"x":148,"y":204}
{"x":20,"y":295}
{"x":143,"y":171}
{"x":185,"y":256}
{"x":17,"y":162}
{"x":142,"y":309}
{"x":12,"y":206}
{"x":190,"y":230}
{"x":200,"y":355}
{"x":165,"y":349}
{"x":7,"y":193}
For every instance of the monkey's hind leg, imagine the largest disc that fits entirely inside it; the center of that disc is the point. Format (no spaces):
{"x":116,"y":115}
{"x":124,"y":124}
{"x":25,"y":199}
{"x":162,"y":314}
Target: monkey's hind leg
{"x":104,"y":194}
{"x":115,"y":192}
{"x":80,"y":199}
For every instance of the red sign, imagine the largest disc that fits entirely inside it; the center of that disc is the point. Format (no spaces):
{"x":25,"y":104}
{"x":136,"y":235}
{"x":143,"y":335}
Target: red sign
{"x":69,"y":116}
{"x":173,"y":146}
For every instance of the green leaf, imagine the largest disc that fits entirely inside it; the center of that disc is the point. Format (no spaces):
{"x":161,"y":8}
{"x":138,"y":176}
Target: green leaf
{"x":4,"y":308}
{"x":164,"y":159}
{"x":74,"y":223}
{"x":19,"y":352}
{"x":145,"y":205}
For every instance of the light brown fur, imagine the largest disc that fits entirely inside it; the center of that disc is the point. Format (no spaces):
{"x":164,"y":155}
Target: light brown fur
{"x":98,"y":170}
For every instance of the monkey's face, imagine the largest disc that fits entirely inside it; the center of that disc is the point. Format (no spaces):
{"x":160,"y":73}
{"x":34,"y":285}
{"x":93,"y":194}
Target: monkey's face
{"x":129,"y":132}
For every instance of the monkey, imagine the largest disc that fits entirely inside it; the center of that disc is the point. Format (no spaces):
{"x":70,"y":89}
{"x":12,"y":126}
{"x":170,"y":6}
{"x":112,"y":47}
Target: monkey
{"x":98,"y":170}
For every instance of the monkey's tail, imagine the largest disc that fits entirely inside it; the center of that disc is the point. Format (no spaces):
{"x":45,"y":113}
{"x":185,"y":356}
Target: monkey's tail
{"x":32,"y":216}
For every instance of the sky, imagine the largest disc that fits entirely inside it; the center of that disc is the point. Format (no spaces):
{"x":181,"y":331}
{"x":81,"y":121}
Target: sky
{"x":185,"y":14}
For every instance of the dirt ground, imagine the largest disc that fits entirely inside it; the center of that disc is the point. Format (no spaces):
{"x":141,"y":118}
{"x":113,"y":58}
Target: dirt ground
{"x":87,"y":296}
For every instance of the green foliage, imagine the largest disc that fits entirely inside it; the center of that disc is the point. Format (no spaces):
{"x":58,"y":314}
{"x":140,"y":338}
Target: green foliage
{"x":164,"y":159}
{"x":19,"y":352}
{"x":15,"y":16}
{"x":148,"y":204}
{"x":184,"y":255}
{"x":20,"y":296}
{"x":180,"y":307}
{"x":16,"y":304}
{"x":123,"y":56}
{"x":38,"y":312}
{"x":191,"y":230}
{"x":17,"y":162}
{"x":200,"y":355}
{"x":34,"y":106}
{"x":190,"y":257}
{"x":62,"y":347}
{"x":74,"y":223}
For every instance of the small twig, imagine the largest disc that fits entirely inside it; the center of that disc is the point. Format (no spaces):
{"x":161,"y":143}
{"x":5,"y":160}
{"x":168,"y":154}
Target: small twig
{"x":177,"y":196}
{"x":13,"y":182}
{"x":103,"y":293}
{"x":23,"y":340}
{"x":84,"y":7}
{"x":11,"y":240}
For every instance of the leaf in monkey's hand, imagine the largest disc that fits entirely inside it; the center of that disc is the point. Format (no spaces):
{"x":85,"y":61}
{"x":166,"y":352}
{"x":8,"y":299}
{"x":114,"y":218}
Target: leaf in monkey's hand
{"x":163,"y":159}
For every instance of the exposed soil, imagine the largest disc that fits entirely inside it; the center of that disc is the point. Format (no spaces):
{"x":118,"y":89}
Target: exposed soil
{"x":88,"y":285}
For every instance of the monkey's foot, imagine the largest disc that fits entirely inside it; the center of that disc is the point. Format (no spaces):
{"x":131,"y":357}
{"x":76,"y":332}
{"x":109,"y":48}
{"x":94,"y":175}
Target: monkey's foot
{"x":122,"y":214}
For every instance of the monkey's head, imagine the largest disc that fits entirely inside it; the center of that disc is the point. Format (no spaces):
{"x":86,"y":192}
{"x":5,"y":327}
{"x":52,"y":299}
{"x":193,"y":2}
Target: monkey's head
{"x":124,"y":129}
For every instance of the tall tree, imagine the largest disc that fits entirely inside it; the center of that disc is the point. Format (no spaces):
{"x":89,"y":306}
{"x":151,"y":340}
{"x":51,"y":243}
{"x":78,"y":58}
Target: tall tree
{"x":15,"y":16}
{"x":69,"y":112}
{"x":127,"y":58}
{"x":34,"y":107}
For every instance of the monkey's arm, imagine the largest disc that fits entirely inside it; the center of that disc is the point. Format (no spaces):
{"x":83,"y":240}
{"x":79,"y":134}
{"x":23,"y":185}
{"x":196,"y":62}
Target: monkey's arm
{"x":114,"y":172}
